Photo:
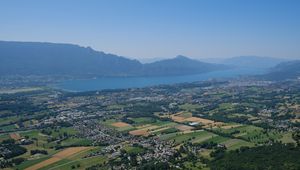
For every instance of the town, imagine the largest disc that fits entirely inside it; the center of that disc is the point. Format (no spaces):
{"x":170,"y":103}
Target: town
{"x":181,"y":126}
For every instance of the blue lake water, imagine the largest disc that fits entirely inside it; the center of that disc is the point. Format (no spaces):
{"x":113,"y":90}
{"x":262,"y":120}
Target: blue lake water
{"x":132,"y":82}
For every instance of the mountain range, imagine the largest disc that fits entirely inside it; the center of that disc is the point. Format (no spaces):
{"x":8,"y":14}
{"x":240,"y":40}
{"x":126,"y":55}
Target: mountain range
{"x":38,"y":58}
{"x":34,"y":58}
{"x":285,"y":70}
{"x":180,"y":65}
{"x":254,"y":62}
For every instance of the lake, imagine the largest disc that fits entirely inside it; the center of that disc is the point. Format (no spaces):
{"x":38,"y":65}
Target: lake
{"x":132,"y":82}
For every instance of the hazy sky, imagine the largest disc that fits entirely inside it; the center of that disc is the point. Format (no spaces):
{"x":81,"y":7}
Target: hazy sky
{"x":159,"y":28}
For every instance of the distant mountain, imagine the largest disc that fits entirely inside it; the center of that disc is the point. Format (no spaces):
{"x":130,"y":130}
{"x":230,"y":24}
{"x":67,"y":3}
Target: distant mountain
{"x":32,"y":58}
{"x":285,"y":70}
{"x":180,"y":65}
{"x":253,"y":62}
{"x":151,"y":60}
{"x":35,"y":58}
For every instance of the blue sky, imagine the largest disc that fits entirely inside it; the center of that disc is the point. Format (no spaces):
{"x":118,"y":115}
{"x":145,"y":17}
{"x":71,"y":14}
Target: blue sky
{"x":159,"y":28}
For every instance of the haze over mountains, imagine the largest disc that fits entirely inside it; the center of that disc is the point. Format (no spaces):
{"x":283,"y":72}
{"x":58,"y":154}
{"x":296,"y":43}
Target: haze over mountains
{"x":285,"y":70}
{"x":253,"y":62}
{"x":35,"y":58}
{"x":180,"y":65}
{"x":27,"y":58}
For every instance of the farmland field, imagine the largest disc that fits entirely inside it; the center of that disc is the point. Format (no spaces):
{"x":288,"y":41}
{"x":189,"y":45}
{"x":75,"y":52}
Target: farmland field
{"x":120,"y":124}
{"x":57,"y":157}
{"x":233,"y":144}
{"x":187,"y":126}
{"x":180,"y":137}
{"x":15,"y":136}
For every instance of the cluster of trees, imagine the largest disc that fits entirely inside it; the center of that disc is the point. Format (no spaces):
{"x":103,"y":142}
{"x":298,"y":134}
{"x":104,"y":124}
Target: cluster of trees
{"x":218,"y":153}
{"x":276,"y":157}
{"x":144,"y":109}
{"x":187,"y":153}
{"x":296,"y":137}
{"x":206,"y":145}
{"x":46,"y":131}
{"x":13,"y":148}
{"x":224,"y":118}
{"x":18,"y":104}
{"x":77,"y":166}
{"x":10,"y":150}
{"x":33,"y":152}
{"x":4,"y":163}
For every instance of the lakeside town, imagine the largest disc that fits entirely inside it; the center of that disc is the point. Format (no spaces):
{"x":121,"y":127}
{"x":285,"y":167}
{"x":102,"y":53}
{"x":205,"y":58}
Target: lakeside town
{"x":182,"y":126}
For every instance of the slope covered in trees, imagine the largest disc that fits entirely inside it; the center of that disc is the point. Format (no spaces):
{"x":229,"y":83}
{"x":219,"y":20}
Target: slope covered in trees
{"x":275,"y":157}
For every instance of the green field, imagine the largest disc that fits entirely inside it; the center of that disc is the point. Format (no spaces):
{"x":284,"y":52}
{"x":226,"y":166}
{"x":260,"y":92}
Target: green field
{"x":108,"y":122}
{"x":74,"y":141}
{"x":217,"y":139}
{"x":11,"y":127}
{"x":67,"y":163}
{"x":233,"y":144}
{"x":189,"y":107}
{"x":29,"y":163}
{"x":180,"y":137}
{"x":251,"y":133}
{"x":4,"y":137}
{"x":185,"y":114}
{"x":287,"y":138}
{"x":8,"y":120}
{"x":125,"y":129}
